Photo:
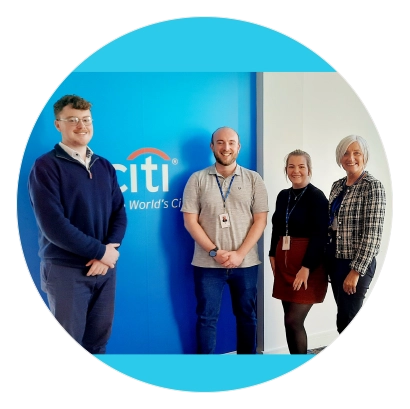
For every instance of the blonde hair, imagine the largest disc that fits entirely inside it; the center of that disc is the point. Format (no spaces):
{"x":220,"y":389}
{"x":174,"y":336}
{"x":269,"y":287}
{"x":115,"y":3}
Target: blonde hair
{"x":298,"y":152}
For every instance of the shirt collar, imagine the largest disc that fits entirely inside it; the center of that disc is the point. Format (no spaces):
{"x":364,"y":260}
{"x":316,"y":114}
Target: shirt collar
{"x":213,"y":171}
{"x":73,"y":153}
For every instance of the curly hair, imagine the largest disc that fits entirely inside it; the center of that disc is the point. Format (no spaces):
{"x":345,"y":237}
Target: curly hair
{"x":75,"y":101}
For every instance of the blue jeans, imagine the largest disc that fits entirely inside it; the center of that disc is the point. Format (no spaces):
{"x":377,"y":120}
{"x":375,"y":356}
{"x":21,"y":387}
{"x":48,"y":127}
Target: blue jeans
{"x":83,"y":305}
{"x":209,"y":285}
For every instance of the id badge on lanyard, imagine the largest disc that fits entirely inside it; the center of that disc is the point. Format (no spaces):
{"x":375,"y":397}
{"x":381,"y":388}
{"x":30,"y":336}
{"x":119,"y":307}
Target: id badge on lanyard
{"x":224,"y":218}
{"x":286,"y":243}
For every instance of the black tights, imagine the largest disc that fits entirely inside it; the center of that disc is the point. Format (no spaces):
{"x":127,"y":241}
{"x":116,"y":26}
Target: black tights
{"x":295,"y":315}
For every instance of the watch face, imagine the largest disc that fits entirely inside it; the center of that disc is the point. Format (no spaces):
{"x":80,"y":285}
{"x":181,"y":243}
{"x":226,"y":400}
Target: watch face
{"x":212,"y":253}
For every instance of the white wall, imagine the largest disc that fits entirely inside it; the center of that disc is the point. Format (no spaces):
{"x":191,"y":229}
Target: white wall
{"x":313,"y":112}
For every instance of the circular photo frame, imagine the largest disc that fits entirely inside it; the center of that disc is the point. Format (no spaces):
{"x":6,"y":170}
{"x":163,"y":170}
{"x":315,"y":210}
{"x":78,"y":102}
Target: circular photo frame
{"x":158,"y":93}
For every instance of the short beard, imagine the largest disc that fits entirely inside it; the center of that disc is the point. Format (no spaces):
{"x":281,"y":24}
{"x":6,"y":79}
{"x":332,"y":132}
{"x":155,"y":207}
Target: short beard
{"x":224,"y":163}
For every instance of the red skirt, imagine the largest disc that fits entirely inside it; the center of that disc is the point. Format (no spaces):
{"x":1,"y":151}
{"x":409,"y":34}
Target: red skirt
{"x":287,"y":264}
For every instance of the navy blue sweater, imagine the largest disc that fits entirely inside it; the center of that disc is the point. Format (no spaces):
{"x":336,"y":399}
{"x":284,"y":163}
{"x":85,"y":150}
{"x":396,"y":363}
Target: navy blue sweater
{"x":76,"y":214}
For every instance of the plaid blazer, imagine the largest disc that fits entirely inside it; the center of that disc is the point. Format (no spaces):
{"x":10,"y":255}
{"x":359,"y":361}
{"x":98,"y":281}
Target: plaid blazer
{"x":360,"y":221}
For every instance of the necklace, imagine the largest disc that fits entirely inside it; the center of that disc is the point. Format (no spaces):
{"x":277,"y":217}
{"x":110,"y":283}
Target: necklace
{"x":297,"y":195}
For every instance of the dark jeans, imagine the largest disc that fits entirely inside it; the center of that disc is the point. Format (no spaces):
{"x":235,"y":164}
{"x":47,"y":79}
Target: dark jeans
{"x":83,"y":305}
{"x":209,"y":284}
{"x":347,"y":305}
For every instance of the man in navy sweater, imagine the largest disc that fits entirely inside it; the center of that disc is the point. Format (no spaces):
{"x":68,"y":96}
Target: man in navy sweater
{"x":80,"y":213}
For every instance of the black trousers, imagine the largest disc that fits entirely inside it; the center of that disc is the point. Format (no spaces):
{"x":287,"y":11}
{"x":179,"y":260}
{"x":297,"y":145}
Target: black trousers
{"x":347,"y":305}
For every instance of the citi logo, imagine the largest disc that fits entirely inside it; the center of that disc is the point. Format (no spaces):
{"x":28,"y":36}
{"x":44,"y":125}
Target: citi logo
{"x":155,"y":177}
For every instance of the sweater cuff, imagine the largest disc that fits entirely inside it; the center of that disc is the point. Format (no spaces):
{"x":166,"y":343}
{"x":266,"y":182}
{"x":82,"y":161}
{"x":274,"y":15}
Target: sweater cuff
{"x":101,"y":252}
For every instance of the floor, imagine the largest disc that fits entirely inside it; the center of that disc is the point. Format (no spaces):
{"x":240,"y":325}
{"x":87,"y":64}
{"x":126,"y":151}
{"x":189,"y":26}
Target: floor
{"x":315,"y":351}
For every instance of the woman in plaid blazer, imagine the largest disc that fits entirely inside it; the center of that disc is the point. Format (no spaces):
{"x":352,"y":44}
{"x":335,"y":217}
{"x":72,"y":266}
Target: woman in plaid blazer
{"x":356,"y":215}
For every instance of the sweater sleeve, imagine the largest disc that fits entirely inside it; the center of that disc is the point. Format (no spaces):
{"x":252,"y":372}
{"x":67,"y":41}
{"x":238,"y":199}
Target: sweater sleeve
{"x":118,"y":219}
{"x":371,"y":227}
{"x":45,"y":198}
{"x":318,"y":220}
{"x":275,"y":228}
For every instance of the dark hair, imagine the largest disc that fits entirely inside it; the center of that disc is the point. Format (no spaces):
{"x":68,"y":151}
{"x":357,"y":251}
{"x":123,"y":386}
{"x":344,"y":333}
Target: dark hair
{"x":75,"y":101}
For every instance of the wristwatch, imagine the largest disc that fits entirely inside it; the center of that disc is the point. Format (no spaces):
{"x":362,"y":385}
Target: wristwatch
{"x":212,"y":253}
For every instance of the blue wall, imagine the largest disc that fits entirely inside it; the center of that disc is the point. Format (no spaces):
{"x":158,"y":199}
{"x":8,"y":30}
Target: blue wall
{"x":174,"y":113}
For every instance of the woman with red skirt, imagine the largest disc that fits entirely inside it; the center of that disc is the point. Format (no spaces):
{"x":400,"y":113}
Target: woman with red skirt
{"x":299,"y":233}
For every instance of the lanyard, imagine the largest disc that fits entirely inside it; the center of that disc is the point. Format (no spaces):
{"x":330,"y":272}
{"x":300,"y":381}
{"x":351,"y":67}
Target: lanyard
{"x":287,"y":208}
{"x":220,"y":188}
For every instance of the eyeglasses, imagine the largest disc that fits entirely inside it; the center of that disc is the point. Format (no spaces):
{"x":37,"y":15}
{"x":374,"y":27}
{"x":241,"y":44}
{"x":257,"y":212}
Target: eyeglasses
{"x":73,"y":120}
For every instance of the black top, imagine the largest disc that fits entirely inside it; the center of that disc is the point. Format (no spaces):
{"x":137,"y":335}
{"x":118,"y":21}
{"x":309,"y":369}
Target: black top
{"x":309,"y":219}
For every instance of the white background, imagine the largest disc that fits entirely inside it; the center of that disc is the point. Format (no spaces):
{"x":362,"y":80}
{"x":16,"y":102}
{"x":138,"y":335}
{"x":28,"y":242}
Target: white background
{"x":313,"y":112}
